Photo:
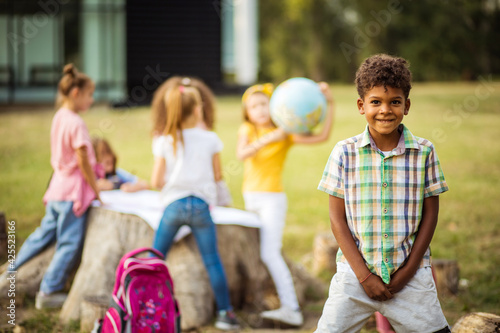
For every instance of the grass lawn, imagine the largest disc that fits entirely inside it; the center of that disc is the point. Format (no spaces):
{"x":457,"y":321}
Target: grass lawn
{"x":461,"y":119}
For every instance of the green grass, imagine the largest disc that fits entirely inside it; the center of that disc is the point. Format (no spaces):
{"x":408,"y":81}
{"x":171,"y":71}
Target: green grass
{"x":458,"y":117}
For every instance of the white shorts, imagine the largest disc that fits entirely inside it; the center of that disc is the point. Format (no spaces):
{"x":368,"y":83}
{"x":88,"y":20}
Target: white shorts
{"x":415,"y":308}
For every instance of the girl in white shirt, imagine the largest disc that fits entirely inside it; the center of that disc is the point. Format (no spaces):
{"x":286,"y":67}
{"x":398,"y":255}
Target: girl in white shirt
{"x":186,"y":168}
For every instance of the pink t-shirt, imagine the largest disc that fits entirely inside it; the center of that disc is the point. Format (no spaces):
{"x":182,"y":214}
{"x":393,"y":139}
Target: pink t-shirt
{"x":68,"y":133}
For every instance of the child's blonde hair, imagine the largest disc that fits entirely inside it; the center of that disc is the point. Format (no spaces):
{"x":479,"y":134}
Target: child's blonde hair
{"x":180,"y":101}
{"x":159,"y":110}
{"x":71,"y":78}
{"x":266,"y":89}
{"x":103,"y":148}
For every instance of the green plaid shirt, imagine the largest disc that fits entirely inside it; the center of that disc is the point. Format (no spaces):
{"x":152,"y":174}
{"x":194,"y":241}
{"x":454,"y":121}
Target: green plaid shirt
{"x":383,"y":195}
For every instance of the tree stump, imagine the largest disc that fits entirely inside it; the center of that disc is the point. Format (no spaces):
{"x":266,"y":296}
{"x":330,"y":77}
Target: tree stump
{"x":447,"y":276}
{"x":111,"y":234}
{"x":325,"y":249}
{"x":92,"y":308}
{"x":478,"y":322}
{"x":3,"y":237}
{"x":28,"y":277}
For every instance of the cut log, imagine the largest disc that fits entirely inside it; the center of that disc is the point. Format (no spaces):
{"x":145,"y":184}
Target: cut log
{"x":111,"y":234}
{"x":478,"y":322}
{"x":3,"y":237}
{"x":92,"y":307}
{"x":325,"y":249}
{"x":28,"y":277}
{"x":447,"y":276}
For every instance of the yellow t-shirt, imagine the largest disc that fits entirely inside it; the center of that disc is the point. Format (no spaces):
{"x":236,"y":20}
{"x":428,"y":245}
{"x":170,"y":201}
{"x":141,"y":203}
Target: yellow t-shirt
{"x":262,"y":171}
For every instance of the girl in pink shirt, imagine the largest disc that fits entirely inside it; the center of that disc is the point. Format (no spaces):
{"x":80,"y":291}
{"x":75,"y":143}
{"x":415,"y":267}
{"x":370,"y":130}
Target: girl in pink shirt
{"x":71,"y":189}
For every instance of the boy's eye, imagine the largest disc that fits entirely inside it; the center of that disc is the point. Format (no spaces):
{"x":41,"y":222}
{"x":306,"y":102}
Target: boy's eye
{"x":375,"y":102}
{"x":396,"y":102}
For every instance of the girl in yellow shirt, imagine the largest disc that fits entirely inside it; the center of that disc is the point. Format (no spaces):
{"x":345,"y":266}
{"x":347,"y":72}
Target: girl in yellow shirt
{"x":263,"y":148}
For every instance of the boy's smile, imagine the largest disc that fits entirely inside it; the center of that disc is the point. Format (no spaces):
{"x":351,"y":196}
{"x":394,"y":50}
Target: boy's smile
{"x":384,"y":110}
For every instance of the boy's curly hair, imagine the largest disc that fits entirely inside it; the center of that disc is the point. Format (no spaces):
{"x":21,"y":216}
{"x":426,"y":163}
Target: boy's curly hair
{"x":383,"y":70}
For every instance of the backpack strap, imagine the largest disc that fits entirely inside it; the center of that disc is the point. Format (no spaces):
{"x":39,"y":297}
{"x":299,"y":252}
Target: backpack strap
{"x":140,"y":250}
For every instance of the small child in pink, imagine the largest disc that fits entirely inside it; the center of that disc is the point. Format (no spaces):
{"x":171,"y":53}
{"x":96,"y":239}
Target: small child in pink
{"x":70,"y":192}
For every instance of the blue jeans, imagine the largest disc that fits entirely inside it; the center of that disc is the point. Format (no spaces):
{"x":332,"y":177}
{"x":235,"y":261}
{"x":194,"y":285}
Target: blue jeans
{"x":62,"y":226}
{"x":193,"y":211}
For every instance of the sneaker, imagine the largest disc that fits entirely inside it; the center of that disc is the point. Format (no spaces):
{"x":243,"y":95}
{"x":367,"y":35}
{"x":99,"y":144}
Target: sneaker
{"x":226,"y":320}
{"x":49,"y":301}
{"x":284,"y":315}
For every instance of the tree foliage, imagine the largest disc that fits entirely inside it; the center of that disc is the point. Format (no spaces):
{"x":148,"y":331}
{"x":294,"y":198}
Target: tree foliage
{"x":327,"y":39}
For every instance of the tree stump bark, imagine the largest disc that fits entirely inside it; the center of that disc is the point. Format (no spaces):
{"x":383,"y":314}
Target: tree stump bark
{"x":111,"y":234}
{"x":478,"y":322}
{"x":325,"y":249}
{"x":28,"y":277}
{"x":92,"y":308}
{"x":3,"y":237}
{"x":447,"y":275}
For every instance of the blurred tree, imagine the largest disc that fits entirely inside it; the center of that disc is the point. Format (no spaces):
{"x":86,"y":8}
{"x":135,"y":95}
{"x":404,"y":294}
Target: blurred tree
{"x":300,"y":38}
{"x":327,"y":39}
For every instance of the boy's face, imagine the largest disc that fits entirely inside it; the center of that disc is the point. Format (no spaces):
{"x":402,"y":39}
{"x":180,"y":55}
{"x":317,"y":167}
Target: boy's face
{"x":384,"y":110}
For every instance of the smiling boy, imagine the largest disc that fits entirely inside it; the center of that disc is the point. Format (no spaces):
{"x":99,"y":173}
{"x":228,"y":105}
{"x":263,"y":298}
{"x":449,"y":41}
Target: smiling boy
{"x":383,"y":185}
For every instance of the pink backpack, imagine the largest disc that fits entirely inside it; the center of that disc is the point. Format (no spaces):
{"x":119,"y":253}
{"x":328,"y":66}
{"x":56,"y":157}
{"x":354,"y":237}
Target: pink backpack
{"x":143,"y":297}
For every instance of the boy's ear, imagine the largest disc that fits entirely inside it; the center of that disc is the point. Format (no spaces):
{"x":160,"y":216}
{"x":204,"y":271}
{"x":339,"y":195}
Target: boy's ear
{"x":407,"y":106}
{"x":360,"y":104}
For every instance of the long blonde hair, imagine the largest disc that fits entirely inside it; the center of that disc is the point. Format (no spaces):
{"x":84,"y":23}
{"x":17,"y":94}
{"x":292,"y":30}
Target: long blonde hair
{"x":180,"y":101}
{"x":159,"y":110}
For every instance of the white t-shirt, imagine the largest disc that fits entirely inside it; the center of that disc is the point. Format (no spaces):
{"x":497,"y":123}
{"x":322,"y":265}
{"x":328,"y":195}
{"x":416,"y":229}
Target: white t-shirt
{"x":194,"y":175}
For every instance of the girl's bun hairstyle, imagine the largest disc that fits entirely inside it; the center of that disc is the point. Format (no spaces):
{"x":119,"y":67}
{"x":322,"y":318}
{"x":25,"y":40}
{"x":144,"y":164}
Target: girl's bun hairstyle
{"x":70,"y":69}
{"x":72,"y":78}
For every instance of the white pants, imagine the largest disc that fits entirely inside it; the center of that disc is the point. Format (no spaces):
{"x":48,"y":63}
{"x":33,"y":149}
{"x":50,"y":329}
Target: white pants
{"x":271,"y":208}
{"x":415,"y":308}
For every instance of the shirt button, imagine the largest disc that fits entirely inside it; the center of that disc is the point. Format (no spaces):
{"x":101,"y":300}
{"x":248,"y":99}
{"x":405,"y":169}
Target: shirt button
{"x":386,"y":235}
{"x":384,"y":184}
{"x":385,"y":210}
{"x":386,"y":260}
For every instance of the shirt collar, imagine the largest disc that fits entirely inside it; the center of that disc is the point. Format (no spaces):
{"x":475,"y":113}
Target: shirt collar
{"x":406,"y":140}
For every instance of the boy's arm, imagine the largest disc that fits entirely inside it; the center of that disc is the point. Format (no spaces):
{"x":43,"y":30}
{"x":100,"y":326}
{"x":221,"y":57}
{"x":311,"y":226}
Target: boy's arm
{"x":325,"y":132}
{"x":372,"y":284}
{"x":88,"y":174}
{"x":423,"y":239}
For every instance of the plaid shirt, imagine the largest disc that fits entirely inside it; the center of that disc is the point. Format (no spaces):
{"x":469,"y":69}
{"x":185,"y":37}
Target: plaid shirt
{"x":383,"y":195}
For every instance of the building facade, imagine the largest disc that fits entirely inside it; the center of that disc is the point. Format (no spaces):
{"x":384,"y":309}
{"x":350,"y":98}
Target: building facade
{"x":128,"y":47}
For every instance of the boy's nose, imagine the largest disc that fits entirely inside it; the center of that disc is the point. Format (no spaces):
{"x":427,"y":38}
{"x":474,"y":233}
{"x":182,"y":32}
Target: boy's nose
{"x":384,"y":108}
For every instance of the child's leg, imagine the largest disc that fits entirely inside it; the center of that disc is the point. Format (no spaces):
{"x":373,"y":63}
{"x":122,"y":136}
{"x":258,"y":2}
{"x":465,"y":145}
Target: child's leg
{"x":271,"y":208}
{"x":70,"y":233}
{"x":416,"y":307}
{"x":204,"y":231}
{"x":42,"y":237}
{"x":347,"y":307}
{"x":169,"y":225}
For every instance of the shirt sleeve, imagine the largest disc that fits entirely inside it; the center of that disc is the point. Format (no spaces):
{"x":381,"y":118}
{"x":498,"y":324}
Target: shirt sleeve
{"x":332,"y":181}
{"x":244,"y":129}
{"x":158,"y":146}
{"x":435,"y":183}
{"x":80,"y":135}
{"x":218,"y":145}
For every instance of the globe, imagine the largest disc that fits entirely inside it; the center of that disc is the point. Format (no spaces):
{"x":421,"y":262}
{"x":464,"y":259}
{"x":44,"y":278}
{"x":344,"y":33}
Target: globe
{"x":298,"y":105}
